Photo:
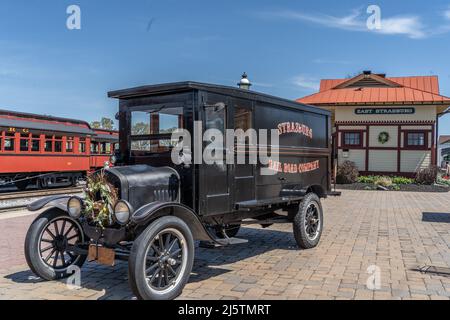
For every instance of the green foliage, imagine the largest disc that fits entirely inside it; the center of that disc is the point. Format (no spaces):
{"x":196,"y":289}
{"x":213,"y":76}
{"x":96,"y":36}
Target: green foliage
{"x":101,"y":197}
{"x":443,"y":180}
{"x":383,"y":181}
{"x":104,"y":123}
{"x":394,"y":180}
{"x":347,"y":173}
{"x":402,"y":180}
{"x":367,"y":179}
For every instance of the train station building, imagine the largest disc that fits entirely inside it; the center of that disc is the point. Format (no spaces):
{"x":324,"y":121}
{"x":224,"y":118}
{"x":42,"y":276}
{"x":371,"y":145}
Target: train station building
{"x":384,"y":125}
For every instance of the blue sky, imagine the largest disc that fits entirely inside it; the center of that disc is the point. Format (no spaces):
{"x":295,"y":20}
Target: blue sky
{"x":286,"y":47}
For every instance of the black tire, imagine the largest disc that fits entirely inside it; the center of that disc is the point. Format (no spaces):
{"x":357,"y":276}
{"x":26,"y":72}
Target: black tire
{"x":170,"y":233}
{"x":230,"y":230}
{"x":308,"y":222}
{"x":40,"y":260}
{"x":22,"y":185}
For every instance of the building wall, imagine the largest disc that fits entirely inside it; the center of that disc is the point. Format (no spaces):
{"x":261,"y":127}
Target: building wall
{"x":391,"y":157}
{"x":422,"y":113}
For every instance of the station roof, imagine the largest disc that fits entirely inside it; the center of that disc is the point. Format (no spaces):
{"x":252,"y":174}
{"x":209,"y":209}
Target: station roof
{"x":444,"y":139}
{"x":368,"y":88}
{"x":174,"y":87}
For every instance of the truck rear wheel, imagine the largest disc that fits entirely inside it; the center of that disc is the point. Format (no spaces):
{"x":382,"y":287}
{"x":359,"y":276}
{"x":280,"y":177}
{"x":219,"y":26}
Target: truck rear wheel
{"x":161,"y":260}
{"x":308,"y":222}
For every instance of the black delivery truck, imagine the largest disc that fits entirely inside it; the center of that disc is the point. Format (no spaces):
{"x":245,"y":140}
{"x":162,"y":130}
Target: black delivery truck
{"x":162,"y":206}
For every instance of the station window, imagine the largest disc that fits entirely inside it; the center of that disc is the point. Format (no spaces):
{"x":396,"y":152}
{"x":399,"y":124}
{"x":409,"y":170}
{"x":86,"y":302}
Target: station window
{"x":58,"y":144}
{"x":48,"y":143}
{"x":352,"y":139}
{"x":9,"y":142}
{"x":416,"y":139}
{"x":69,"y":144}
{"x":24,"y":142}
{"x":82,"y":146}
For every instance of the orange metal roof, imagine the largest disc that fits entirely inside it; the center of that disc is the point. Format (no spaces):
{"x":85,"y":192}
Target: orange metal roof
{"x":409,"y":90}
{"x":444,"y":139}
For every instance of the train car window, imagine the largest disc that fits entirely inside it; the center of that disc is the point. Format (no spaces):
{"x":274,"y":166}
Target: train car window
{"x":35,"y":143}
{"x":82,"y":146}
{"x":48,"y":143}
{"x":107,"y":148}
{"x":58,"y":144}
{"x":69,"y":144}
{"x":94,"y":148}
{"x":24,"y":142}
{"x":9,"y":142}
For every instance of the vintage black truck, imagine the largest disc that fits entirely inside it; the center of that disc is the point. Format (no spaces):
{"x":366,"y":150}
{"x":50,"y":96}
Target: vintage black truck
{"x":150,"y":209}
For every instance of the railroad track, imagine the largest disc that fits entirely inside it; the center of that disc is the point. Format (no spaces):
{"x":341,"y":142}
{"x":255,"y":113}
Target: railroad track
{"x":38,"y":193}
{"x":12,"y":201}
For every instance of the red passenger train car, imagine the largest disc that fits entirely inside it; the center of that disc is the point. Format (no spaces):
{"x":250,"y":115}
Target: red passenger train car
{"x":50,"y":151}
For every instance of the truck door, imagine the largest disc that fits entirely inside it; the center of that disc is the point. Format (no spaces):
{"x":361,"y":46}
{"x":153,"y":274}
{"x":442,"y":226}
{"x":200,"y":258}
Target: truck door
{"x":214,"y":184}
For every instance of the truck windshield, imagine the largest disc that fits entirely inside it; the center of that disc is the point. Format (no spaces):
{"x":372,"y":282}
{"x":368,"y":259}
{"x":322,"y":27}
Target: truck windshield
{"x":152,"y":127}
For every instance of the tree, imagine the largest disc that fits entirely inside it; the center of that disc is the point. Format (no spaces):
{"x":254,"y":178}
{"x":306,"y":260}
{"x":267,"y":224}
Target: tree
{"x":96,"y":125}
{"x":105,"y":123}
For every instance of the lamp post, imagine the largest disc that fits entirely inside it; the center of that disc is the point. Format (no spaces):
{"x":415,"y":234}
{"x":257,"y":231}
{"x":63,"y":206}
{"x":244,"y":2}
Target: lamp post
{"x":244,"y":83}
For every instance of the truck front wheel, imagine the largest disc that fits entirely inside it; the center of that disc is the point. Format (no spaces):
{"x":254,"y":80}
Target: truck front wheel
{"x":308,"y":222}
{"x":49,"y":242}
{"x":161,"y":260}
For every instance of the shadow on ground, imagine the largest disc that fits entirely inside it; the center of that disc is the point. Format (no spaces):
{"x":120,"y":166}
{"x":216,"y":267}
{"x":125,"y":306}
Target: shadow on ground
{"x":436,"y":217}
{"x":113,"y":282}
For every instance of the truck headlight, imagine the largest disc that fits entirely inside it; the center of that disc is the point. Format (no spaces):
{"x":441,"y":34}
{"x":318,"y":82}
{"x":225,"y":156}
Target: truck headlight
{"x":122,"y":212}
{"x":74,"y":207}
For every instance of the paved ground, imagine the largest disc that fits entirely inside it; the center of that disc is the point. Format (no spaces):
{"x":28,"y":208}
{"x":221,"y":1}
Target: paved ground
{"x":397,"y":232}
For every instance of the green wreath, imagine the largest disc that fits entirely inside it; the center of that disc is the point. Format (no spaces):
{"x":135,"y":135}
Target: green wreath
{"x":101,"y":196}
{"x":383,"y":137}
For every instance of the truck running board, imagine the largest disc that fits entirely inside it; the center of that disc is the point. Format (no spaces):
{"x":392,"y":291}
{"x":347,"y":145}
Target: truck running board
{"x":217,"y":243}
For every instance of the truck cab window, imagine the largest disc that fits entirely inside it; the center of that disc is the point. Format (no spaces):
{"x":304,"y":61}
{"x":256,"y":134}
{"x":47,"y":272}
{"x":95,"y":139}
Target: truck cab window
{"x":152,"y":127}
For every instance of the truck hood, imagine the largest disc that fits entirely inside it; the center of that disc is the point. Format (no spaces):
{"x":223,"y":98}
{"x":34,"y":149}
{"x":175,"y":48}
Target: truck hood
{"x":143,"y":184}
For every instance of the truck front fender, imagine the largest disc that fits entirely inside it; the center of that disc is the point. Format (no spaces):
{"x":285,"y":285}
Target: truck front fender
{"x":59,"y":202}
{"x":149,"y":212}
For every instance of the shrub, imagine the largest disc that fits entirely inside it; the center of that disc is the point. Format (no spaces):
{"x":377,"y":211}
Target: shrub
{"x":383,"y":181}
{"x":347,"y":173}
{"x":402,"y":180}
{"x":427,"y":175}
{"x":366,"y":179}
{"x":445,"y":180}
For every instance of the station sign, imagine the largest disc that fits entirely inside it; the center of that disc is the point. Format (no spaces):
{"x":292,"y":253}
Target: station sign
{"x":384,"y":111}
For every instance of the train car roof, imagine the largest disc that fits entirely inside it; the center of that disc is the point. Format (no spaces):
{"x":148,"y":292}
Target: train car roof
{"x":106,"y":135}
{"x":43,"y":122}
{"x":220,"y":89}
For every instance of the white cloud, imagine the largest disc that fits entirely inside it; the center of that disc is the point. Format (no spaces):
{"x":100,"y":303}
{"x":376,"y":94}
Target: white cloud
{"x":410,"y":26}
{"x":447,"y":14}
{"x":306,"y":82}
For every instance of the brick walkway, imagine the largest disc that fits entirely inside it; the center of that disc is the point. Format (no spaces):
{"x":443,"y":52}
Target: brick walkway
{"x":397,"y":232}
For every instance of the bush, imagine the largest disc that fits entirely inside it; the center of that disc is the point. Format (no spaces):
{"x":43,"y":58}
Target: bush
{"x":347,"y":173}
{"x":383,"y":181}
{"x":427,"y":176}
{"x":366,"y":179}
{"x":445,"y":180}
{"x":402,"y":180}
